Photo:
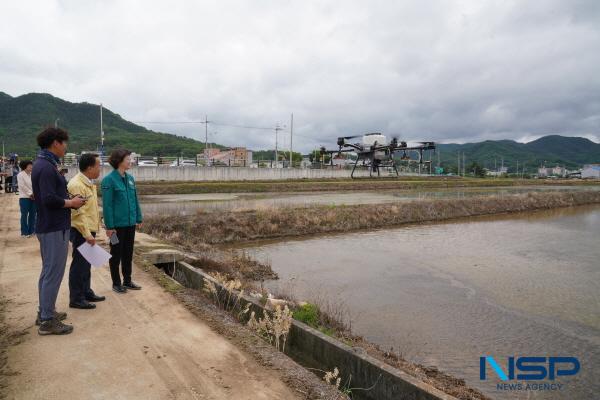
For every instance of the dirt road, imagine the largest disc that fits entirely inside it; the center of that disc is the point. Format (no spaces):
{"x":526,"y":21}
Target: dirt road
{"x":141,"y":345}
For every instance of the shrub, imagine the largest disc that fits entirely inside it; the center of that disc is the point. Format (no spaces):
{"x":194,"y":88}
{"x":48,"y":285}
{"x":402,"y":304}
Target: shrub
{"x":307,"y":313}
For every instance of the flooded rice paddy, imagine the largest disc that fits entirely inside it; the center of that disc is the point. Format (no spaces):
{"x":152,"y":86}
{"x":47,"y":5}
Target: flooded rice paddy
{"x":445,"y":294}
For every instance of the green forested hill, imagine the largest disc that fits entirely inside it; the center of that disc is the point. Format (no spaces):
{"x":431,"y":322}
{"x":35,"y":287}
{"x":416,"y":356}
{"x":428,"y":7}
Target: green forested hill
{"x":571,"y":152}
{"x":23,"y":117}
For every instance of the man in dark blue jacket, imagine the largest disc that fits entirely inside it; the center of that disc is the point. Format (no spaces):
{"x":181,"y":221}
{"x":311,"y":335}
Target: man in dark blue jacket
{"x":53,"y":226}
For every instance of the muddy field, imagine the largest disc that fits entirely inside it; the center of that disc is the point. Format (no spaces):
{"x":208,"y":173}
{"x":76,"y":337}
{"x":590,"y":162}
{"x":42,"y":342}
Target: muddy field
{"x":152,"y":188}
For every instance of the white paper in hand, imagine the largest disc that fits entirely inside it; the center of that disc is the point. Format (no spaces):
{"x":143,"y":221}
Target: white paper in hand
{"x":95,"y":255}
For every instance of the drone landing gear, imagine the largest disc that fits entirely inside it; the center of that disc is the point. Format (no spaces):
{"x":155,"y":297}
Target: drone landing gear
{"x":354,"y":167}
{"x":374,"y":166}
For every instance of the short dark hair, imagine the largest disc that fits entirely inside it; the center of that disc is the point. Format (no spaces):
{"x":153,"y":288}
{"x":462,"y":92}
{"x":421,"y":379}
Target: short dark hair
{"x":49,"y":135}
{"x":117,"y":156}
{"x":87,"y":160}
{"x":23,"y":164}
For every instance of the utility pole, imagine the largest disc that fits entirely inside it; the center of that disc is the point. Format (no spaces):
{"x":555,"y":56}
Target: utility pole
{"x":291,"y":137}
{"x":463,"y":164}
{"x":101,"y":133}
{"x":206,"y":122}
{"x":458,"y":168}
{"x":277,"y":129}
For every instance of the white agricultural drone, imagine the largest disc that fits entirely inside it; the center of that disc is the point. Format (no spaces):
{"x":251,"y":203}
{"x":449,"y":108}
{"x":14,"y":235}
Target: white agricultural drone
{"x":375,"y":152}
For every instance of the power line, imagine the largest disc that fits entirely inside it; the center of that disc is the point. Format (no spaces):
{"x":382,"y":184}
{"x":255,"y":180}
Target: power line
{"x":202,"y":122}
{"x":169,"y":122}
{"x":243,"y":126}
{"x":223,"y":124}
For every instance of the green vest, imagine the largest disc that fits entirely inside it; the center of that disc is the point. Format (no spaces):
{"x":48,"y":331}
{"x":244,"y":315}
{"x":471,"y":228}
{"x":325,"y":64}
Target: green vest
{"x":120,"y":205}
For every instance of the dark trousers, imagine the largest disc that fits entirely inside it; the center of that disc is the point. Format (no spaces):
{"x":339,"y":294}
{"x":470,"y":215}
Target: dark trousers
{"x":122,"y":253}
{"x":80,"y":272}
{"x":54,"y":247}
{"x":28,"y":213}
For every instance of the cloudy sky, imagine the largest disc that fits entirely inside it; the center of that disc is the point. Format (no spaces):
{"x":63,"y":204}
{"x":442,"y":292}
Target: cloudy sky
{"x":450,"y":71}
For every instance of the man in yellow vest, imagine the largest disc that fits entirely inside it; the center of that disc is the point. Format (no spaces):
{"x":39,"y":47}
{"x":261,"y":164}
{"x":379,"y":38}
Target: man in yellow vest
{"x":85,"y":223}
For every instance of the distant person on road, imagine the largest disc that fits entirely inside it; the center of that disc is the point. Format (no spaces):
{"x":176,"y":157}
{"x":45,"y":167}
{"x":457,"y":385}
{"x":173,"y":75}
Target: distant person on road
{"x":122,"y":214}
{"x":85,"y":223}
{"x":53,"y":226}
{"x":8,"y":177}
{"x":26,"y":203}
{"x":2,"y":174}
{"x":15,"y":172}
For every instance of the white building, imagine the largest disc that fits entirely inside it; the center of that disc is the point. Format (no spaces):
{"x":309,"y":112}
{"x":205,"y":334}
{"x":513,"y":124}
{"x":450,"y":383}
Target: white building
{"x":591,"y":171}
{"x":70,"y":159}
{"x":558,"y":171}
{"x":544,"y":172}
{"x":500,"y":172}
{"x":342,"y":162}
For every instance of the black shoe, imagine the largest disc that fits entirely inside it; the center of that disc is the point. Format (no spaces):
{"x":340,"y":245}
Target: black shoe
{"x":83,"y":305}
{"x":94,"y":298}
{"x":119,"y":289}
{"x":54,"y":327}
{"x":61,"y":316}
{"x":132,"y":286}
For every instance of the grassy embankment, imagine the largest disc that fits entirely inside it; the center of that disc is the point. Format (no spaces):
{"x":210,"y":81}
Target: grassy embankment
{"x":308,"y":185}
{"x":210,"y":228}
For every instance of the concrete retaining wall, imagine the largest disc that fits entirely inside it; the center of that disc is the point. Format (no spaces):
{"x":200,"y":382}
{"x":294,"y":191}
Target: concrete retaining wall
{"x":191,"y":173}
{"x":313,"y":349}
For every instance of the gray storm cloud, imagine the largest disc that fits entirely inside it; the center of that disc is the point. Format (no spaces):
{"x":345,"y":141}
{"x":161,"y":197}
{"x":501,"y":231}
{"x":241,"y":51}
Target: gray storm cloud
{"x":450,"y":71}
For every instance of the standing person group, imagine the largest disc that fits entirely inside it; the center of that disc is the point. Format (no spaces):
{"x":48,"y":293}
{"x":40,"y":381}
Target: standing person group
{"x":71,"y":213}
{"x":8,"y":172}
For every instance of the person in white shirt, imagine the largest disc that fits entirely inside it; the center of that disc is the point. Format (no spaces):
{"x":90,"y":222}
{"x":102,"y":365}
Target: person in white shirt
{"x":26,"y":203}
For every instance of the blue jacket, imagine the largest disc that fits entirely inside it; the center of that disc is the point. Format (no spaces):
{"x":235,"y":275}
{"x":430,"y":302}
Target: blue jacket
{"x":49,"y":191}
{"x":120,"y":205}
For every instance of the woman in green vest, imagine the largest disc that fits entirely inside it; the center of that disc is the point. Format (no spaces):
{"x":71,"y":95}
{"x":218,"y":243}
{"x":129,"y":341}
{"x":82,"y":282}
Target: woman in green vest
{"x":122,"y":214}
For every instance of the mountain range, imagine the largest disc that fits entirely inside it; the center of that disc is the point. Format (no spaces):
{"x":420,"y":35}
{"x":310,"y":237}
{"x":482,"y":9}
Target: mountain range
{"x":23,"y":117}
{"x":549,"y":150}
